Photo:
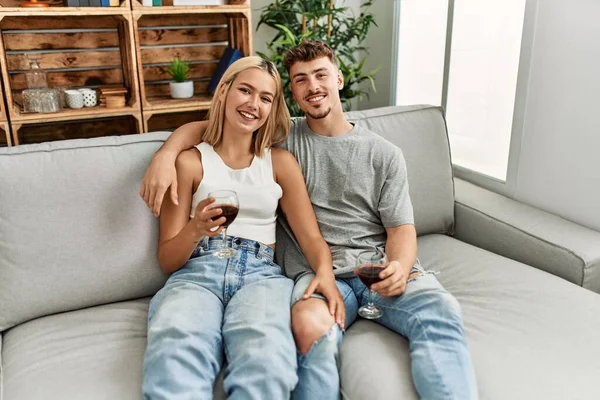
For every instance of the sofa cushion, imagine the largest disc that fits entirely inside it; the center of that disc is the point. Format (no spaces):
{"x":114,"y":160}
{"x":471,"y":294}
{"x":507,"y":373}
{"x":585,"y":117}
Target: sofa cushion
{"x":531,"y":334}
{"x":74,"y":231}
{"x":94,"y":353}
{"x":420,"y":131}
{"x":91,"y":354}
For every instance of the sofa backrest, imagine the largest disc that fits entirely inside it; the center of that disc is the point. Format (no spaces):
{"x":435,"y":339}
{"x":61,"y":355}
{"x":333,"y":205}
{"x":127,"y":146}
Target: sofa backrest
{"x":420,"y":131}
{"x":75,"y":233}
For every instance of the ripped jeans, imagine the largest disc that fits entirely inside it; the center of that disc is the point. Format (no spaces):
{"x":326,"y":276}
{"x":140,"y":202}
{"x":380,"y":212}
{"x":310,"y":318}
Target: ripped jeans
{"x":426,"y":314}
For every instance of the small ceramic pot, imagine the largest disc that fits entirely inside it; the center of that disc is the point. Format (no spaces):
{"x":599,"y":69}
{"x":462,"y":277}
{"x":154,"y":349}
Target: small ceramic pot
{"x":182,"y":90}
{"x":74,"y":98}
{"x":90,"y":98}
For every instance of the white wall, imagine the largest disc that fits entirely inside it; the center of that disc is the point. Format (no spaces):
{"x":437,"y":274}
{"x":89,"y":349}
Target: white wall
{"x":559,"y":163}
{"x":379,"y":42}
{"x":265,"y":34}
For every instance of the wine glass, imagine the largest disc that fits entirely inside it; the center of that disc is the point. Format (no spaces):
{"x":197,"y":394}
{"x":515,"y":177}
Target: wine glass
{"x":228,"y":202}
{"x":369,"y":264}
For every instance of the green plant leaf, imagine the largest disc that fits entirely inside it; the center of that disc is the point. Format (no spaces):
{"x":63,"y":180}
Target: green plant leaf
{"x":179,"y":70}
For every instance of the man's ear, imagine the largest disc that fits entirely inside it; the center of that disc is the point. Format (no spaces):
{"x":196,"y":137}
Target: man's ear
{"x":340,"y":80}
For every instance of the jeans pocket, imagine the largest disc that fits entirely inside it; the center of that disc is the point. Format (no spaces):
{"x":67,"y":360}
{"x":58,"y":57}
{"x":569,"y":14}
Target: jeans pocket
{"x":267,"y":255}
{"x":265,"y":265}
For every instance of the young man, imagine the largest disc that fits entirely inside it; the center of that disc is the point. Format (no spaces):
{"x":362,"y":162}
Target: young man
{"x":358,"y":187}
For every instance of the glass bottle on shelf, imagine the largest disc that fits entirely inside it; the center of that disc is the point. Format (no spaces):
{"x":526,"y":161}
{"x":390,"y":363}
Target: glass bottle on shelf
{"x":36,"y":77}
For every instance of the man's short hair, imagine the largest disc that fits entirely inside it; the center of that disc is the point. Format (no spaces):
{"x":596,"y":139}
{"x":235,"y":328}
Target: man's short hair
{"x":308,"y":50}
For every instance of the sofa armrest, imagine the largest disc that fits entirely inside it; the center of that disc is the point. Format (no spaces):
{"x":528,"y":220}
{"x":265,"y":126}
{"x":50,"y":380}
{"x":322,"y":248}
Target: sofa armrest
{"x":528,"y":235}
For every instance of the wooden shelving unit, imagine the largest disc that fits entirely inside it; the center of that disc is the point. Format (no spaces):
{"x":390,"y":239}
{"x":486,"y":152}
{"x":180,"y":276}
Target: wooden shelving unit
{"x":196,"y":34}
{"x":129,"y":46}
{"x":5,"y":136}
{"x":100,"y":55}
{"x":3,"y":116}
{"x":137,"y":5}
{"x":12,"y":6}
{"x":5,"y":133}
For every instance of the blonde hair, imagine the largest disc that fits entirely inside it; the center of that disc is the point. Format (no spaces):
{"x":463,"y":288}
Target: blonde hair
{"x":276,"y":127}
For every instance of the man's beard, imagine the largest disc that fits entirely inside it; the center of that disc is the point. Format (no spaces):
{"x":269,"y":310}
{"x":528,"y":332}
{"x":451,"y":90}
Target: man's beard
{"x":319,"y":116}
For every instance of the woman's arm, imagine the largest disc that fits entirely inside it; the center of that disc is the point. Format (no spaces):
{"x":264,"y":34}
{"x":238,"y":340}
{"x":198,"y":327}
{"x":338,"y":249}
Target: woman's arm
{"x":161,"y":173}
{"x":180,"y":235}
{"x":301,"y":217}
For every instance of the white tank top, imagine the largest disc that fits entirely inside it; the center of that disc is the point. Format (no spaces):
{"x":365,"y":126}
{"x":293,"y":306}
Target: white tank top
{"x":257,"y":191}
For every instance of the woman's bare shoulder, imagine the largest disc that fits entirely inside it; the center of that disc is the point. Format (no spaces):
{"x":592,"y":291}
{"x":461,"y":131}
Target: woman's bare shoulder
{"x":190,"y":157}
{"x":189,"y":162}
{"x":284,"y":165}
{"x":281,"y":155}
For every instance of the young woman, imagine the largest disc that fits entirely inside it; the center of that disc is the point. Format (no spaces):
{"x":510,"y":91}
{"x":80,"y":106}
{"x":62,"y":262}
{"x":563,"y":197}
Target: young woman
{"x":234,"y":309}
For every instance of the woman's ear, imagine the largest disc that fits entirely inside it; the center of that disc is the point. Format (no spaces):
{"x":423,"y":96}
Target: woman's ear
{"x":222,"y":89}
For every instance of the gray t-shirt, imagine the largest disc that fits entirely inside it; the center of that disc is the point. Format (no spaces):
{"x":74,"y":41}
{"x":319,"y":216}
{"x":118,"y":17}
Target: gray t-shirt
{"x":358,"y":186}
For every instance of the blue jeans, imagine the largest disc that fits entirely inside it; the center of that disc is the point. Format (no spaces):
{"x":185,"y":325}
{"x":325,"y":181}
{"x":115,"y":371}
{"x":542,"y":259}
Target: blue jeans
{"x":238,"y":308}
{"x":426,"y":314}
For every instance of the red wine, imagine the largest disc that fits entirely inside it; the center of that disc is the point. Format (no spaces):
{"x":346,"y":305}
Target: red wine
{"x":229,"y":212}
{"x":369,"y":274}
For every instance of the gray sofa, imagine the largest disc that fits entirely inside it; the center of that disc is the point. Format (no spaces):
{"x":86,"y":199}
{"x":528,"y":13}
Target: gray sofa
{"x":78,"y":266}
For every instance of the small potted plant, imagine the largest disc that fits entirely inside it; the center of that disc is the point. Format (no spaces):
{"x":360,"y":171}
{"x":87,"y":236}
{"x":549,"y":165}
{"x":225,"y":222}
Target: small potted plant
{"x":181,"y":88}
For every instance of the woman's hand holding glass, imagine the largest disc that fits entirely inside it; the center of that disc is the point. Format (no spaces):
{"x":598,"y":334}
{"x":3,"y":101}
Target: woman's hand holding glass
{"x":228,"y":203}
{"x":203,"y":218}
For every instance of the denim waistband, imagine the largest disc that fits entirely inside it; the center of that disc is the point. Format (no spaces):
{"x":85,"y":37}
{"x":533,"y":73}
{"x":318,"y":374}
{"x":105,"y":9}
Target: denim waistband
{"x":258,"y":249}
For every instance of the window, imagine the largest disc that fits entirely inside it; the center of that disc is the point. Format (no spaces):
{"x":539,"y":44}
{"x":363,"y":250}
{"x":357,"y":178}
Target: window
{"x":421,"y":51}
{"x":464,"y":55}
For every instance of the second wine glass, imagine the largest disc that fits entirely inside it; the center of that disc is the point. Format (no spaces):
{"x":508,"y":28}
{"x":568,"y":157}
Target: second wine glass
{"x":369,"y":265}
{"x":227,"y":201}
